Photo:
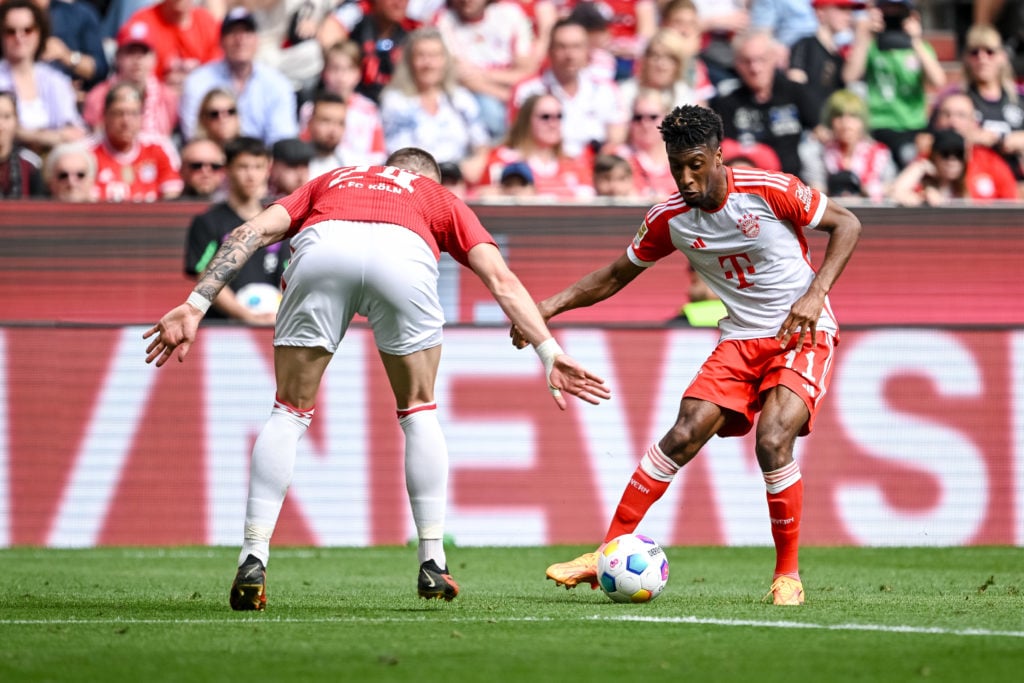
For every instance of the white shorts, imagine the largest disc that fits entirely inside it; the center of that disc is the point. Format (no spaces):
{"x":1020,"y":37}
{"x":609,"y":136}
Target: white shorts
{"x":342,"y":268}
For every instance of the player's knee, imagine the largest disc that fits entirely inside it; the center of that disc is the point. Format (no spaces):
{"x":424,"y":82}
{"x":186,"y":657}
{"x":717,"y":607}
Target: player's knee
{"x":774,"y":449}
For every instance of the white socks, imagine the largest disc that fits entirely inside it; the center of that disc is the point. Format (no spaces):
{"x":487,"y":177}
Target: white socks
{"x":273,"y":462}
{"x":426,"y":478}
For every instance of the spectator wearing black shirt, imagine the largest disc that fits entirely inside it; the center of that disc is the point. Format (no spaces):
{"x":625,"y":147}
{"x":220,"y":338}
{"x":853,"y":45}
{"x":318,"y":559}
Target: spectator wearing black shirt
{"x":766,"y":107}
{"x":248,"y":166}
{"x":817,"y":60}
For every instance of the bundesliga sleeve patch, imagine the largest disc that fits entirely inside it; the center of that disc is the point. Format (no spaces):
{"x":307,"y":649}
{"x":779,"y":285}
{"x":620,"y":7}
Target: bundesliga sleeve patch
{"x":640,"y":235}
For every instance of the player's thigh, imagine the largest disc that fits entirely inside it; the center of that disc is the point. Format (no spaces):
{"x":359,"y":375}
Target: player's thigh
{"x":400,"y":299}
{"x":298,"y":371}
{"x":322,"y":287}
{"x":412,"y":376}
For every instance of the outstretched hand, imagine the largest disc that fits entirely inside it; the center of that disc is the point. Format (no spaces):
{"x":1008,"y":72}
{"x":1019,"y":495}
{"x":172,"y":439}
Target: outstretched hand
{"x":176,"y":329}
{"x":568,"y":375}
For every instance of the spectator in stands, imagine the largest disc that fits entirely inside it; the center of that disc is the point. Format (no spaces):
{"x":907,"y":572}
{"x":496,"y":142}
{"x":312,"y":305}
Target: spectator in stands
{"x":218,"y":118}
{"x":817,"y":60}
{"x":19,"y":174}
{"x":326,"y":131}
{"x":987,"y":175}
{"x":767,"y":107}
{"x":184,"y":36}
{"x":670,"y":65}
{"x":381,"y":35}
{"x":536,"y":139}
{"x":452,"y":178}
{"x":133,"y":166}
{"x":76,"y":43}
{"x":47,"y":108}
{"x":135,"y":62}
{"x":898,"y":67}
{"x":248,"y":171}
{"x":289,"y":166}
{"x":292,"y":35}
{"x":493,"y":47}
{"x":787,"y":20}
{"x":720,"y":22}
{"x":849,"y":151}
{"x":594,"y":112}
{"x":631,"y":23}
{"x":266,"y":101}
{"x":363,"y":142}
{"x":202,"y":171}
{"x":600,"y":61}
{"x":613,"y":177}
{"x":425,"y":107}
{"x":70,"y":173}
{"x":517,"y":181}
{"x":992,"y":86}
{"x":938,"y":178}
{"x":644,"y":149}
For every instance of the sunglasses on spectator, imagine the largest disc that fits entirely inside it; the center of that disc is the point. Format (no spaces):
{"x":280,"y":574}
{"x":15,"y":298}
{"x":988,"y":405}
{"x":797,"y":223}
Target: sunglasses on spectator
{"x":19,"y":30}
{"x":638,"y":117}
{"x":220,"y":113}
{"x":549,"y":117}
{"x":66,"y":175}
{"x":988,"y":51}
{"x":200,"y":165}
{"x":950,"y":155}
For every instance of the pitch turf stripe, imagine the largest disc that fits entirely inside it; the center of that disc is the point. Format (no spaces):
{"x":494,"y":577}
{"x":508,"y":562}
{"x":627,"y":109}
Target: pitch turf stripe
{"x":690,"y":621}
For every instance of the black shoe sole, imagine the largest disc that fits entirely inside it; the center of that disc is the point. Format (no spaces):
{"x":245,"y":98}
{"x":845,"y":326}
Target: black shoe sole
{"x":248,"y":597}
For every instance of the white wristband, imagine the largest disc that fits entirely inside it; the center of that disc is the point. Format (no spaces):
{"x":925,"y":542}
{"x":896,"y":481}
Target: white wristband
{"x":199,"y":302}
{"x":548,"y":350}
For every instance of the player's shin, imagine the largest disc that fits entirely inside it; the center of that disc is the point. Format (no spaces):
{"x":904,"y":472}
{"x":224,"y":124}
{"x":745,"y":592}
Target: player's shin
{"x":785,"y":507}
{"x":273,"y":462}
{"x":426,"y":478}
{"x":648,"y":483}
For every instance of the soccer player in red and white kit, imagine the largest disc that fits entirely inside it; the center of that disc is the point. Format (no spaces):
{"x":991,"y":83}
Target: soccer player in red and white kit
{"x":743,"y":233}
{"x":364,"y":240}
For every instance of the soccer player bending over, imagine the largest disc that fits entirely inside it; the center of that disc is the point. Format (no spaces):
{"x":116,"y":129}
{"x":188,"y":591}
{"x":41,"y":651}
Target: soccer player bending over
{"x":364,"y":240}
{"x":742,"y":231}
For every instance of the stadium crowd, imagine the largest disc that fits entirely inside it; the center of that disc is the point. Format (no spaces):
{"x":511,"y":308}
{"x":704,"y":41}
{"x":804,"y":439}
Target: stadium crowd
{"x":127,"y":100}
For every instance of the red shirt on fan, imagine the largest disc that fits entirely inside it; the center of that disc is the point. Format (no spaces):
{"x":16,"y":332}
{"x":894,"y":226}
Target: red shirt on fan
{"x":385,"y":194}
{"x":146,"y":172}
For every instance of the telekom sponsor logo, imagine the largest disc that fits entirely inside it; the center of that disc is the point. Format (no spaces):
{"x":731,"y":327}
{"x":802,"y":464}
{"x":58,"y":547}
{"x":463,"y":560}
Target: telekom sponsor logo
{"x":919,"y":442}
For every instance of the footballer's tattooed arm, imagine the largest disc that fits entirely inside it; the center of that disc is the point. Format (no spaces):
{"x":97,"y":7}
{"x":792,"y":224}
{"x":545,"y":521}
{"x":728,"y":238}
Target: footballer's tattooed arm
{"x":232,"y":254}
{"x":178,"y":328}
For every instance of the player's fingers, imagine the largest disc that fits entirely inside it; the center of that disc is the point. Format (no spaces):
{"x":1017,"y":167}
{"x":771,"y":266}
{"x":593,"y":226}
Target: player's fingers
{"x":183,"y":351}
{"x":151,"y":331}
{"x":557,"y":395}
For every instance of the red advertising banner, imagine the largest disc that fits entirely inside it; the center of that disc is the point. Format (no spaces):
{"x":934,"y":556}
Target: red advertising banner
{"x":920,"y":442}
{"x":123,"y":264}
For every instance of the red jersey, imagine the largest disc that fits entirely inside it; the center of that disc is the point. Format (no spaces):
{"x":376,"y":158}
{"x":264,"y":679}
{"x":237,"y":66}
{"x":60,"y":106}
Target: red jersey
{"x":145,"y":173}
{"x":989,"y":176}
{"x":385,"y":194}
{"x":177,"y":49}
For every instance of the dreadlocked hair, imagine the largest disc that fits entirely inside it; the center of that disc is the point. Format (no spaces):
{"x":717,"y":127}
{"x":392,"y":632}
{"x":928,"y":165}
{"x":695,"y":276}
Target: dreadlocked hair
{"x":692,"y":126}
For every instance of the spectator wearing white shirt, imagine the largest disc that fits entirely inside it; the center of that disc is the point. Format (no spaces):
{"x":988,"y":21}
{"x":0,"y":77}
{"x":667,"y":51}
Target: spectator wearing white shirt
{"x":594,"y":113}
{"x":493,"y":47}
{"x":424,"y":107}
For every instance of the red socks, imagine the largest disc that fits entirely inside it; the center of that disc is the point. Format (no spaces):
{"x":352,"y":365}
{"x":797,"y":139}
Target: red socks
{"x":785,"y":507}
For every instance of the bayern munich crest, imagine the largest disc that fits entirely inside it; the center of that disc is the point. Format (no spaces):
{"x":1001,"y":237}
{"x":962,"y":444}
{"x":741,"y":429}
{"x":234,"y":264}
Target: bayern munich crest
{"x":750,"y":225}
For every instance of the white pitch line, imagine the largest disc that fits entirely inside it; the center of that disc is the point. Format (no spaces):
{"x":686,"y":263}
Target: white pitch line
{"x":692,"y":621}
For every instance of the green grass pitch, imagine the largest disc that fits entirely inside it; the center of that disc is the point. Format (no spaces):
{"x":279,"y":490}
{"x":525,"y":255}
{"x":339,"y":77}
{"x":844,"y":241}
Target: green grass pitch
{"x":351,"y":614}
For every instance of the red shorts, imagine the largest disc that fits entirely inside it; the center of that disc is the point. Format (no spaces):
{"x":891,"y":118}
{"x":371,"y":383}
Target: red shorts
{"x":739,"y":372}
